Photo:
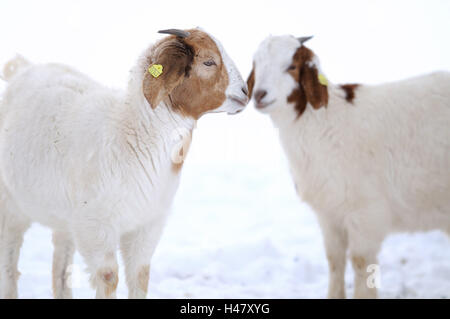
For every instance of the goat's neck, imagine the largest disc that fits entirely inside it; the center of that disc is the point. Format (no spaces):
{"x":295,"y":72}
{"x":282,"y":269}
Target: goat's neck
{"x":159,"y":123}
{"x":152,"y":125}
{"x":153,"y":136}
{"x":306,"y":136}
{"x":286,"y":118}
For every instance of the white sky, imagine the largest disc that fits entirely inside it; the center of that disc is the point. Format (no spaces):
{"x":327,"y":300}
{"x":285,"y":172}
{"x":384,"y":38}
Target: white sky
{"x":357,"y":41}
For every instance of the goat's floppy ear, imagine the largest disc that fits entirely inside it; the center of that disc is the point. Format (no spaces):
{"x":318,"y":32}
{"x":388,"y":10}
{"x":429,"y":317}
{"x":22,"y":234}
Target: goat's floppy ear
{"x":314,"y":88}
{"x":251,"y":82}
{"x":169,"y":67}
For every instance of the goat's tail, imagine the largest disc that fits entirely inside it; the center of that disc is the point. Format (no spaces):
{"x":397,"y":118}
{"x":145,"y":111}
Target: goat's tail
{"x":13,"y":66}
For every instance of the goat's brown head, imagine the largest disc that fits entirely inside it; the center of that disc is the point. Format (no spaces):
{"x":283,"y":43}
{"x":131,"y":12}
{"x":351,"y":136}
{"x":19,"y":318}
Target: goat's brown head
{"x":197,"y":75}
{"x":285,"y":71}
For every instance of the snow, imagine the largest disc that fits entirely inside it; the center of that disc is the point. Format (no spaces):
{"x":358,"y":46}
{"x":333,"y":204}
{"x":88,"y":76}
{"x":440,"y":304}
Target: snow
{"x":237,"y":229}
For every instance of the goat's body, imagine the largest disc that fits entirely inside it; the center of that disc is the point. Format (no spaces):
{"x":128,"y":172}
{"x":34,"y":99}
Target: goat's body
{"x":378,"y":165}
{"x":88,"y":162}
{"x":61,"y":155}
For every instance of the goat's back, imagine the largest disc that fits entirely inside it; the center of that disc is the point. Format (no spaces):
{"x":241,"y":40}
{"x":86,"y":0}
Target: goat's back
{"x":55,"y":124}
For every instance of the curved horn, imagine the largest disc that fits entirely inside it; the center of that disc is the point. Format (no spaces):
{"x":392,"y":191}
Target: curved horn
{"x":177,"y":32}
{"x":304,"y":39}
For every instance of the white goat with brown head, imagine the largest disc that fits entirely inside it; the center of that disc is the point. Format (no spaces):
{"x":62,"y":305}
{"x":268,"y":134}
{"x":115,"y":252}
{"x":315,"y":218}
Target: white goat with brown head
{"x":370,"y":160}
{"x":101,"y":167}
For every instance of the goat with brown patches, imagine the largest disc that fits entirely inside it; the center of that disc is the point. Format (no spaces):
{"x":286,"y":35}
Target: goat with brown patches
{"x":370,"y":160}
{"x":101,"y":167}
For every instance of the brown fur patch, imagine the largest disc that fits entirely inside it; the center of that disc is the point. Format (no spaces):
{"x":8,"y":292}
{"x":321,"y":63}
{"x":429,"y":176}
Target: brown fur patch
{"x":358,"y":262}
{"x":182,"y":149}
{"x":109,"y":280}
{"x":309,"y":90}
{"x":176,"y":58}
{"x":349,"y":90}
{"x":190,"y":87}
{"x":143,"y":278}
{"x":298,"y":97}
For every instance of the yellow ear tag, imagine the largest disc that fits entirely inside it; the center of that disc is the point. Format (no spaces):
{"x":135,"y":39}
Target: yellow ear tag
{"x":155,"y":70}
{"x":323,"y":80}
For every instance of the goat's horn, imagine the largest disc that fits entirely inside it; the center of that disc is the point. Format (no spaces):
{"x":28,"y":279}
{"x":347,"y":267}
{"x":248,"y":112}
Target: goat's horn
{"x":177,"y":32}
{"x":304,"y":39}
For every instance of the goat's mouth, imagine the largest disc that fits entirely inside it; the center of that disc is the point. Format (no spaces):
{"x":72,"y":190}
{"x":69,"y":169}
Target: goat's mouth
{"x":241,"y":102}
{"x":261,"y":105}
{"x":235,"y":112}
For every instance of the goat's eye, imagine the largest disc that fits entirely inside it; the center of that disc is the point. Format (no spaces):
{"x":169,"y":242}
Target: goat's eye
{"x":291,"y":67}
{"x":209,"y":63}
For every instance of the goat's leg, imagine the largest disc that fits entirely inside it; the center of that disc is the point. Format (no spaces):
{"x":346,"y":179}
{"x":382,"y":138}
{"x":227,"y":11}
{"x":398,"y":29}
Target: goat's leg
{"x":64,"y":250}
{"x":97,"y":244}
{"x":137,"y":248}
{"x":363,"y":253}
{"x":12,"y":230}
{"x":361,"y":262}
{"x":335,"y":240}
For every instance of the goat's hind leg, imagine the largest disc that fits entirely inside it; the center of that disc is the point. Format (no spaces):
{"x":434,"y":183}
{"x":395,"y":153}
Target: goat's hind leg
{"x":12,"y":230}
{"x":97,"y":242}
{"x":64,"y":250}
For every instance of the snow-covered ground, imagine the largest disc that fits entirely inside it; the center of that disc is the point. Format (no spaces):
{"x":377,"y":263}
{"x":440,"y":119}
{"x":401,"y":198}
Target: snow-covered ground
{"x":241,"y":232}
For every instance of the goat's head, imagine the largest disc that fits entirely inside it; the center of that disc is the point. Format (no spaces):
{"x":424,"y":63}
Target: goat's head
{"x":197,"y":75}
{"x":285,"y":71}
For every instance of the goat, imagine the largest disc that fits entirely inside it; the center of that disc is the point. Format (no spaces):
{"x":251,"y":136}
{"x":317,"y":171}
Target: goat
{"x":100,"y":167}
{"x":369,"y":159}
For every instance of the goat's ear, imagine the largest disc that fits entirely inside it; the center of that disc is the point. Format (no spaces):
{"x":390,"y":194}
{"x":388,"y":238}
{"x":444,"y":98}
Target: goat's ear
{"x":175,"y":59}
{"x":251,"y":82}
{"x":315,"y":92}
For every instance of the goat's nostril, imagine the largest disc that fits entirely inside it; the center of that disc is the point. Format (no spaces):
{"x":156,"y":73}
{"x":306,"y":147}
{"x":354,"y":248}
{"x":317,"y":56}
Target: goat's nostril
{"x":259,"y":95}
{"x":245,"y":90}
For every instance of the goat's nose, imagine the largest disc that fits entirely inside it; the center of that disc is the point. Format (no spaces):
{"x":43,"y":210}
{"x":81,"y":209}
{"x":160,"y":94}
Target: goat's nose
{"x":259,"y":95}
{"x":245,"y":90}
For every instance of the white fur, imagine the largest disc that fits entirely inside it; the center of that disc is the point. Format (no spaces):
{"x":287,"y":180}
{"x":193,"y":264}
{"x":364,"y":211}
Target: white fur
{"x":234,"y":90}
{"x":368,"y":169}
{"x":93,"y":164}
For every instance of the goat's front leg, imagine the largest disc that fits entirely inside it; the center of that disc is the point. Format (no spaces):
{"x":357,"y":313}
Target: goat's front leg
{"x":335,"y":240}
{"x":97,"y":243}
{"x":64,"y":250}
{"x":137,"y":248}
{"x":361,"y":262}
{"x":364,"y":248}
